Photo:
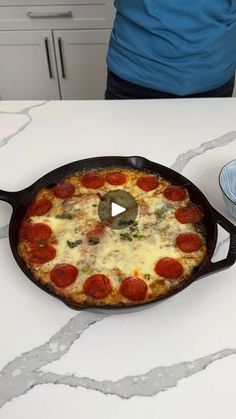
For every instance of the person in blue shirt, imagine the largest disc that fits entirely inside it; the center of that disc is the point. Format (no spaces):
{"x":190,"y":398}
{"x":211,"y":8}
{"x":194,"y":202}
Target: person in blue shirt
{"x":172,"y":48}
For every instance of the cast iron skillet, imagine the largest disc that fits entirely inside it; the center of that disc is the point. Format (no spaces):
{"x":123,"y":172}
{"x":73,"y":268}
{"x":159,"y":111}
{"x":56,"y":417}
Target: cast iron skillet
{"x":21,"y":199}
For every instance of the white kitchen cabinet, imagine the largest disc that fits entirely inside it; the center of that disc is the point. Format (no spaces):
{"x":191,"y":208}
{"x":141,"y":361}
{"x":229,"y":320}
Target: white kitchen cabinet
{"x":29,"y":61}
{"x":81,"y":58}
{"x":52,"y":49}
{"x":27,"y":66}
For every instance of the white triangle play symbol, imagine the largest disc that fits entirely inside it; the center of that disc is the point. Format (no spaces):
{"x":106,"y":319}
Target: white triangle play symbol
{"x":116,"y":209}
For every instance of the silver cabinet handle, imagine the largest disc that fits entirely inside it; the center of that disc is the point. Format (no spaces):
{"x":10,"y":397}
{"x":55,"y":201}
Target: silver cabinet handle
{"x":48,"y":58}
{"x":42,"y":15}
{"x":61,"y":58}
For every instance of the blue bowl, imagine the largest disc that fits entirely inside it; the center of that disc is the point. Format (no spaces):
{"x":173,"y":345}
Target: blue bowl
{"x":227,"y":180}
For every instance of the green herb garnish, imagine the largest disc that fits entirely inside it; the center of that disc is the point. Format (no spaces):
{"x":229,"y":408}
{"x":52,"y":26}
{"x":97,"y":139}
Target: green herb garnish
{"x":159,"y":213}
{"x":86,"y":269}
{"x":93,"y":240}
{"x":94,"y":205}
{"x":71,"y":244}
{"x":64,"y":216}
{"x":141,"y":237}
{"x":134,"y":230}
{"x":126,"y":236}
{"x":147,"y":276}
{"x":133,"y":233}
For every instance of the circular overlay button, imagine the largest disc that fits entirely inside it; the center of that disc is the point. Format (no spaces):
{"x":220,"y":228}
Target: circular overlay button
{"x":120,"y":202}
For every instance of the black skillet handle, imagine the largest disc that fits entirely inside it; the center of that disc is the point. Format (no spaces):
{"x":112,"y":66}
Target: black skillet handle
{"x":11,"y":197}
{"x":231,"y":257}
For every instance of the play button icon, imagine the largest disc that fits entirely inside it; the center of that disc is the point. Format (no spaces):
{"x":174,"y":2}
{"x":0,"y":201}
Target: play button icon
{"x":117,"y":209}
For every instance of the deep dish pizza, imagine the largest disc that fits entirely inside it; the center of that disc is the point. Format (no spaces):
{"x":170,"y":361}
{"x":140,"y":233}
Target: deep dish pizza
{"x":71,"y":252}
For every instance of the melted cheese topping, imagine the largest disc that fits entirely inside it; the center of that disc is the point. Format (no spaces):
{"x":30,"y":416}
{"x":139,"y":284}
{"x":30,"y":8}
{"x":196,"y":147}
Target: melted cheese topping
{"x":118,"y":254}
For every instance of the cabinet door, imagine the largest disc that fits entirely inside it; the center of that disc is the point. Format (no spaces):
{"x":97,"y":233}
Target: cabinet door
{"x":27,"y":66}
{"x":81,"y":60}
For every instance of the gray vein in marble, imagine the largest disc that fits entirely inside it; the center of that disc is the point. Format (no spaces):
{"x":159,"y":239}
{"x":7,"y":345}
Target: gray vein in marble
{"x":23,"y":373}
{"x":19,"y":375}
{"x":4,"y":232}
{"x":146,"y":385}
{"x":25,"y":112}
{"x":183,"y":159}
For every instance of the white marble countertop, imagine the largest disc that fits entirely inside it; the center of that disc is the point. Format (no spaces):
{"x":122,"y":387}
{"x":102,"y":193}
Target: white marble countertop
{"x":173,"y":360}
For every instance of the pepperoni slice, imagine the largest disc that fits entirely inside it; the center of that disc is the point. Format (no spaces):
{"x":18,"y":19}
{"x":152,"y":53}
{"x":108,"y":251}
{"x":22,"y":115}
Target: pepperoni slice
{"x":92,"y":180}
{"x":35,"y":233}
{"x":190,"y":214}
{"x":189,"y":242}
{"x":97,"y":286}
{"x":39,"y":207}
{"x":169,"y":268}
{"x":116,"y":178}
{"x":97,"y":232}
{"x":44,"y":254}
{"x":175,"y":193}
{"x":63,"y":190}
{"x":147,"y":183}
{"x":63,"y":275}
{"x":133,"y":288}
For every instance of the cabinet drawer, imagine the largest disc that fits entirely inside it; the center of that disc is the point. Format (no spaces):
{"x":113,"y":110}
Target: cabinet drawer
{"x":45,"y":2}
{"x":86,"y":14}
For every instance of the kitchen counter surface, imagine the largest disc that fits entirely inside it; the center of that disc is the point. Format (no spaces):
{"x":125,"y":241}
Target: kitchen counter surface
{"x":176,"y":359}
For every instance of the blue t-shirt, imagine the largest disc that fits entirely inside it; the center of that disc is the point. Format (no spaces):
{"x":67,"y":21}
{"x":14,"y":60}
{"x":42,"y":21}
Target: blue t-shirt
{"x":176,"y":46}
